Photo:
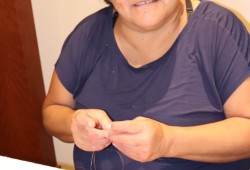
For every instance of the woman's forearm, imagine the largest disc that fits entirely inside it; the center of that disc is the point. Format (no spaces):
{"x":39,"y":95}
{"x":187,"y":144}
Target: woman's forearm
{"x":57,"y":121}
{"x":223,"y":141}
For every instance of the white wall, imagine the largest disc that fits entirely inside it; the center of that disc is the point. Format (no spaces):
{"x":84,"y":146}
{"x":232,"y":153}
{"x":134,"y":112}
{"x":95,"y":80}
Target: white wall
{"x":240,"y":8}
{"x":55,"y":19}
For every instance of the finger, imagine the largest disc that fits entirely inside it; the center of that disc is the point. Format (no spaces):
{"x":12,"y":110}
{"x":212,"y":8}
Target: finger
{"x":96,"y":133}
{"x":94,"y":145}
{"x":128,"y":126}
{"x":82,"y":119}
{"x":101,"y":118}
{"x":104,"y":142}
{"x":129,"y":151}
{"x":126,"y":139}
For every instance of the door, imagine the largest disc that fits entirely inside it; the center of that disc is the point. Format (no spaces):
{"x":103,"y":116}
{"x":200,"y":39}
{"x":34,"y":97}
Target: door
{"x":22,"y":135}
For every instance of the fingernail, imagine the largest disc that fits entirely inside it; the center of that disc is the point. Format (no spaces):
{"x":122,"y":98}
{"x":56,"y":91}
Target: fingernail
{"x":91,"y":124}
{"x":108,"y":127}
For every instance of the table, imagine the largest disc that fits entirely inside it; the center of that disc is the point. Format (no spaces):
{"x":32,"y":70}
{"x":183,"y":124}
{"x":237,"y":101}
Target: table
{"x":7,"y":163}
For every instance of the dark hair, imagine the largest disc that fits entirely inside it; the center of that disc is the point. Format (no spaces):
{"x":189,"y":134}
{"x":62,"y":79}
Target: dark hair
{"x":108,"y":2}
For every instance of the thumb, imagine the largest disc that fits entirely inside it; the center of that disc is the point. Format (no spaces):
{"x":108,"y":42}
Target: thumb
{"x":91,"y":123}
{"x":100,"y":118}
{"x":83,"y":120}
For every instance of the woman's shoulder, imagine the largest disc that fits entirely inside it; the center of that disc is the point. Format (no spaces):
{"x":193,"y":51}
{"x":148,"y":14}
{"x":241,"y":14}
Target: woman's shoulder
{"x":210,"y":12}
{"x":98,"y":18}
{"x":93,"y":25}
{"x":213,"y":11}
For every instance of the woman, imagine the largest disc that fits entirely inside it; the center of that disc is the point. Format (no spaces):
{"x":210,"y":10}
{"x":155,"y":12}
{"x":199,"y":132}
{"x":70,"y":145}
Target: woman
{"x":138,"y":85}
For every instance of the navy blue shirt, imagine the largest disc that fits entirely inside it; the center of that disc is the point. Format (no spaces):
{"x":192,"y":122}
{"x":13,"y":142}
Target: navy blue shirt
{"x":187,"y":86}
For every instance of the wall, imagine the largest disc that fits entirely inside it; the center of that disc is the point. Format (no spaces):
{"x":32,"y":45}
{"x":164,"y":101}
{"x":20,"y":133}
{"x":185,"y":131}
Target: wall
{"x":54,"y":20}
{"x":240,"y":8}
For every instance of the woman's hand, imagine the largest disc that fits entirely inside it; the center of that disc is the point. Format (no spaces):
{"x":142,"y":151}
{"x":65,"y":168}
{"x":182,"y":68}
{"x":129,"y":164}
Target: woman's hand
{"x":141,"y":139}
{"x":88,"y":129}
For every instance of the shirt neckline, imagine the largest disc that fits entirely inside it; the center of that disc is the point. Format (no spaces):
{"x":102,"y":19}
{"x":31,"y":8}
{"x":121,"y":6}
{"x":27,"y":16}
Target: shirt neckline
{"x":152,"y":64}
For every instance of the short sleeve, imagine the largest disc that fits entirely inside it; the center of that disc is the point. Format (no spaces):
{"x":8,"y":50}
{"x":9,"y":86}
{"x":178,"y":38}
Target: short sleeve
{"x":232,"y":63}
{"x":82,"y":49}
{"x":73,"y":63}
{"x":66,"y":64}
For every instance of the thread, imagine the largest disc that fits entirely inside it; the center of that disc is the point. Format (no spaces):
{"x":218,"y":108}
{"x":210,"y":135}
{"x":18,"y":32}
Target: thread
{"x":93,"y":159}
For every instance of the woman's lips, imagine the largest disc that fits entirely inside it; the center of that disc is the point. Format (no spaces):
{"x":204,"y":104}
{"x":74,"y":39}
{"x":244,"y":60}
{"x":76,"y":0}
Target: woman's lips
{"x":144,"y":2}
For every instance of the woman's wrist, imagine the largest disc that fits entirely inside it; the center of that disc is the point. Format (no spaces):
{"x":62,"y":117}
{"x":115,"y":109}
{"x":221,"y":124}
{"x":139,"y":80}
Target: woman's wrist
{"x":171,"y":137}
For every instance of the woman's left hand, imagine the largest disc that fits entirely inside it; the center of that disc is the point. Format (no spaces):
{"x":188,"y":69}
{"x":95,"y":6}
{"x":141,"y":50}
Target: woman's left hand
{"x":141,"y":139}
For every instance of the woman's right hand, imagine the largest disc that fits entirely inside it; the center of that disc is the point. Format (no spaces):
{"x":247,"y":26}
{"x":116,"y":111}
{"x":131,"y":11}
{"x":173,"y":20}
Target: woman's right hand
{"x":89,"y":129}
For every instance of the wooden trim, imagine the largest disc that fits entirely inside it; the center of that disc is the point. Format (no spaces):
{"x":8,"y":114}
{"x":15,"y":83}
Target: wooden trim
{"x":21,"y":87}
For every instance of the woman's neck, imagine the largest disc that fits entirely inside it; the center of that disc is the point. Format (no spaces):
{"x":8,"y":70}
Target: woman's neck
{"x":141,"y":47}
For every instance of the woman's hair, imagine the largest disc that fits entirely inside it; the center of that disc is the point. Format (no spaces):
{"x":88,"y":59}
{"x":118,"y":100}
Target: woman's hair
{"x":108,"y":2}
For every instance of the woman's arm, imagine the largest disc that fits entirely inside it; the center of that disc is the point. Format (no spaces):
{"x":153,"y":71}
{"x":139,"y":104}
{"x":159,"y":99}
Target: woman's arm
{"x":223,"y":141}
{"x":58,"y":110}
{"x":84,"y":127}
{"x":145,"y":139}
